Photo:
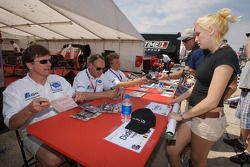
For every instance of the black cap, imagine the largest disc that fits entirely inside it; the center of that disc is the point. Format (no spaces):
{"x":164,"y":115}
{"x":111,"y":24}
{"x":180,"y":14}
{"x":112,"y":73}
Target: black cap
{"x":141,"y":121}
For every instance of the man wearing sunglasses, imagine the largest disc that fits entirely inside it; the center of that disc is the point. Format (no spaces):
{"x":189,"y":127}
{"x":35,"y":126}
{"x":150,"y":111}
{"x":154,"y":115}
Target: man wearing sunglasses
{"x":91,"y":80}
{"x":115,"y":77}
{"x":27,"y":100}
{"x":194,"y":58}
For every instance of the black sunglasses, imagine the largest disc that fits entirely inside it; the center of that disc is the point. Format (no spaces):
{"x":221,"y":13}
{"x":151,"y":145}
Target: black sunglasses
{"x":186,"y":40}
{"x":99,"y":68}
{"x":45,"y":61}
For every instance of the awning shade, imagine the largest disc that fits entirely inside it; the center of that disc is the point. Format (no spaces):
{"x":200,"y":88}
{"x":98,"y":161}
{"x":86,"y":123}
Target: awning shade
{"x":57,"y":19}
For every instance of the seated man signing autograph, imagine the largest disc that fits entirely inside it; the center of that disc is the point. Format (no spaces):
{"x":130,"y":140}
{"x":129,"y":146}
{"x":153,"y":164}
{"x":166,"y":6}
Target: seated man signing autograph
{"x":27,"y":100}
{"x":115,"y":77}
{"x":91,"y":80}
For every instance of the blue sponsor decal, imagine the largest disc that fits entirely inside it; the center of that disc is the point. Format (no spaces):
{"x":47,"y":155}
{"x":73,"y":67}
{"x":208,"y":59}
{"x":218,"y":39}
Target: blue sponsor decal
{"x":30,"y":95}
{"x":99,"y":81}
{"x":56,"y":86}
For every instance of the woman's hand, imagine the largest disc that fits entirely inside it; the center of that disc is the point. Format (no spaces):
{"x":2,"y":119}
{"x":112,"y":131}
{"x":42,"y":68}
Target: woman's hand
{"x":177,"y":116}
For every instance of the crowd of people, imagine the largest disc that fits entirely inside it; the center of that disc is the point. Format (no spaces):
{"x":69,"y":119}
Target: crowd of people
{"x":213,"y":63}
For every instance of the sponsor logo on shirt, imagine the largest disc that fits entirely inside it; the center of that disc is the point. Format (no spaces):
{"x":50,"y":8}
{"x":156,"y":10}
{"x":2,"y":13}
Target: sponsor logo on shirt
{"x":56,"y":86}
{"x":99,"y":81}
{"x":30,"y":95}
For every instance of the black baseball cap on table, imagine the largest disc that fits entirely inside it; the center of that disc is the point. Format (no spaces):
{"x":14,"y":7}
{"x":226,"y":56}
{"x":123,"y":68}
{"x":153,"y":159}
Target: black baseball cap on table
{"x":141,"y":121}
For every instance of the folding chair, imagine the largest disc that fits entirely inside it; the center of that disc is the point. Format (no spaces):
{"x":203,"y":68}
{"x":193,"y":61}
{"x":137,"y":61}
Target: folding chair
{"x":32,"y":161}
{"x":59,"y":71}
{"x":27,"y":162}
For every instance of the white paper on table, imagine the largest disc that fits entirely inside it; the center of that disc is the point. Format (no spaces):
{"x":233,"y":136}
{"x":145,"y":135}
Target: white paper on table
{"x":129,"y":139}
{"x":142,"y":89}
{"x":136,"y":94}
{"x":172,"y":122}
{"x":167,"y":94}
{"x":148,"y":86}
{"x":63,"y":104}
{"x":158,"y":108}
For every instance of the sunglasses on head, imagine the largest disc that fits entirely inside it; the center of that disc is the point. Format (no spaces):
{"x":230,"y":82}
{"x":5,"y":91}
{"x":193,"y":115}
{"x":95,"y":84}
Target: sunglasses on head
{"x":45,"y":61}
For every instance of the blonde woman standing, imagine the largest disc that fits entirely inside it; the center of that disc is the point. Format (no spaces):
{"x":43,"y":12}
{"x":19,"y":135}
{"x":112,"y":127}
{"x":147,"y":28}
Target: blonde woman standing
{"x":214,"y":76}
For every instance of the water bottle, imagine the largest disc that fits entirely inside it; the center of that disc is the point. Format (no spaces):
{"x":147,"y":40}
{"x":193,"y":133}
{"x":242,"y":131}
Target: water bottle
{"x":126,"y":109}
{"x":160,"y":86}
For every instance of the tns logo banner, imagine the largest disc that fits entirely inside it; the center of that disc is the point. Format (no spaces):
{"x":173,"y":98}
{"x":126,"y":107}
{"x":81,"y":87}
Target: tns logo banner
{"x":30,"y":95}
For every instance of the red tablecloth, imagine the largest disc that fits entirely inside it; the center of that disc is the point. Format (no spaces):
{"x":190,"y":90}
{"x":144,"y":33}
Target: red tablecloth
{"x":84,"y":141}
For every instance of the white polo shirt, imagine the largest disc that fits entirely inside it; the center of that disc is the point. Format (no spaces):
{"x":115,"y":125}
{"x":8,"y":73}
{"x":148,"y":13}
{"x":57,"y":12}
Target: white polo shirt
{"x":166,"y":58}
{"x":113,"y":77}
{"x":21,"y":92}
{"x":85,"y":82}
{"x":245,"y":76}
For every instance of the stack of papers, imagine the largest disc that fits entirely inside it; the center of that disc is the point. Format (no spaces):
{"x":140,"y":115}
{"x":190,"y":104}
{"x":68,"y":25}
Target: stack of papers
{"x":85,"y":115}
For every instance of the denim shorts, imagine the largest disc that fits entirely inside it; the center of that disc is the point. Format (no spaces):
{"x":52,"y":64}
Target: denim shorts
{"x":243,"y":110}
{"x":210,"y":129}
{"x":31,"y":144}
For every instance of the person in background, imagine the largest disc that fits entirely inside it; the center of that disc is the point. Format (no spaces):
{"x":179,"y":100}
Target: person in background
{"x":27,"y":101}
{"x":243,"y":112}
{"x":91,"y":80}
{"x":194,"y":57}
{"x":217,"y":71}
{"x":166,"y":62}
{"x":114,"y":77}
{"x":15,"y":47}
{"x":31,"y":43}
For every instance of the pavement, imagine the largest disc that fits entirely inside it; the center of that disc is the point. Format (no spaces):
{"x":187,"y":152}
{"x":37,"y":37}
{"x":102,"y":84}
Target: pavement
{"x":218,"y":156}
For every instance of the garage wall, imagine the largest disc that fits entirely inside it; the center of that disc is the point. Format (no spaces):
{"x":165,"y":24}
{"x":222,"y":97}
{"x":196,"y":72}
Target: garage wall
{"x":127,"y":50}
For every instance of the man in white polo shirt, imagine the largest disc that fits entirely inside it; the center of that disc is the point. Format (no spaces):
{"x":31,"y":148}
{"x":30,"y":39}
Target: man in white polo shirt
{"x":91,"y":80}
{"x":27,"y":100}
{"x":114,"y":77}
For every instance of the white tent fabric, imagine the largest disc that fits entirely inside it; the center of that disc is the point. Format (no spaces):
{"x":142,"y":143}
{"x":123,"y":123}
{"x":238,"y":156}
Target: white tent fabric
{"x":66,"y":19}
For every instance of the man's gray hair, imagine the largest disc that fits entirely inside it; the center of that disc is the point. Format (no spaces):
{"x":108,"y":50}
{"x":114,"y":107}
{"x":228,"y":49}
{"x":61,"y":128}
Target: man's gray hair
{"x":93,"y":58}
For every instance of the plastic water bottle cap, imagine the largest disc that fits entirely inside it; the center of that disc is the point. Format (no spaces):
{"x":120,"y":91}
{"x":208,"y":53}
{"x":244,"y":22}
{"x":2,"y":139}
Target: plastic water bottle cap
{"x":127,"y":96}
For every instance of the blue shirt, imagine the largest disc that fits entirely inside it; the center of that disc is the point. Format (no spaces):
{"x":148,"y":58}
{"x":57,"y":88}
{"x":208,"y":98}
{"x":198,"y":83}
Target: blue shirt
{"x":196,"y":58}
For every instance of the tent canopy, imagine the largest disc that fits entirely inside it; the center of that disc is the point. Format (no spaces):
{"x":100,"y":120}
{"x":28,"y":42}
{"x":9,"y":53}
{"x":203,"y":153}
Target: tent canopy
{"x":66,"y":19}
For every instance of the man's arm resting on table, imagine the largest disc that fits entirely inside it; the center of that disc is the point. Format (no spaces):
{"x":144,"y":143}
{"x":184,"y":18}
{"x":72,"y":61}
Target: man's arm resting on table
{"x":134,"y":82}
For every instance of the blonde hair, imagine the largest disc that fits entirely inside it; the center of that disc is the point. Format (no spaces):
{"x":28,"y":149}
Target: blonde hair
{"x":219,"y":20}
